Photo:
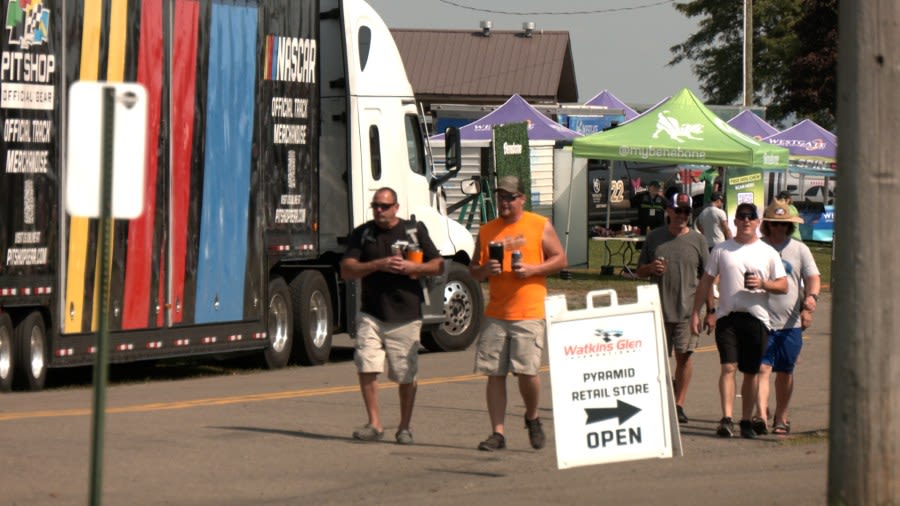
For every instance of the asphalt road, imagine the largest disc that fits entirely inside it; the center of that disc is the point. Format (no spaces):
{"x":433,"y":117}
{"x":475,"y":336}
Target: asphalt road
{"x":283,"y":437}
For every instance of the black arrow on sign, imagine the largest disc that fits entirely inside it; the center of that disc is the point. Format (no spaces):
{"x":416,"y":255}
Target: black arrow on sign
{"x":623,"y":411}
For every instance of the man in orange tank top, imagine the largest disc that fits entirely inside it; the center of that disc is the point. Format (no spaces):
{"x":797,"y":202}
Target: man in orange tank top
{"x":512,"y":335}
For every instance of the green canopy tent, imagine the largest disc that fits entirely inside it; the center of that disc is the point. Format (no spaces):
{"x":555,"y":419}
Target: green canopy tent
{"x":680,"y":130}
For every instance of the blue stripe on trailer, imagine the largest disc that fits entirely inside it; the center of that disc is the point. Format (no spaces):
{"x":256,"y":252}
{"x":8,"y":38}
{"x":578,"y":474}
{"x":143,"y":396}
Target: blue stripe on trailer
{"x":226,"y":180}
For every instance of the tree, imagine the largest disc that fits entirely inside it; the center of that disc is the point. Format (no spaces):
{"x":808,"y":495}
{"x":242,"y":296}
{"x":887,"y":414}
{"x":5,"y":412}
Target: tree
{"x":794,"y":54}
{"x":812,"y":79}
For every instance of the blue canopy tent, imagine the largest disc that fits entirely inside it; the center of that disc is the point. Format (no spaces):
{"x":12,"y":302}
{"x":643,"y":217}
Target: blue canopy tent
{"x":747,"y":122}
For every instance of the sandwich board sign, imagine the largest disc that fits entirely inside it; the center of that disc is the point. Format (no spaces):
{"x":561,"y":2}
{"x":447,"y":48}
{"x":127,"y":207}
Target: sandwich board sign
{"x":610,"y":381}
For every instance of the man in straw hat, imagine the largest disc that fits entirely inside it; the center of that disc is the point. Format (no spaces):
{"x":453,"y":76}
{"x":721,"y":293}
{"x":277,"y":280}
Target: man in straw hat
{"x":789,"y":313}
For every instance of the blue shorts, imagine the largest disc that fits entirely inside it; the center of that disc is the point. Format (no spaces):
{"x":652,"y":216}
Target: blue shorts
{"x":783,"y":350}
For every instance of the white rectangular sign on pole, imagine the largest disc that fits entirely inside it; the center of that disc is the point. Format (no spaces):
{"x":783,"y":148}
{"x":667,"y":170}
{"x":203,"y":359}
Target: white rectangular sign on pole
{"x":85,"y":143}
{"x":610,"y":381}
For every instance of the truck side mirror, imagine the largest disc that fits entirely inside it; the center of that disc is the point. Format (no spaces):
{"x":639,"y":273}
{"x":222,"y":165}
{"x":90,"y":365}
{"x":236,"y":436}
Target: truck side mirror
{"x":452,"y":150}
{"x":470,"y":186}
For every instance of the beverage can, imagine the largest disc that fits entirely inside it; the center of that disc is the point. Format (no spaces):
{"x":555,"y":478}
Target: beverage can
{"x":396,"y":250}
{"x":516,"y":257}
{"x":747,"y":275}
{"x":495,"y":251}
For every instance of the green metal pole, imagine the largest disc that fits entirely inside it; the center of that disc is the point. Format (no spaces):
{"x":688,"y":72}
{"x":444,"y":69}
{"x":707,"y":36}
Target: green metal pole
{"x":102,"y":360}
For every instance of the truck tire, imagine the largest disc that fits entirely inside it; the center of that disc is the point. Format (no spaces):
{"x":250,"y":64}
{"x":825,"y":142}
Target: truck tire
{"x":463,"y":306}
{"x":30,"y":348}
{"x":312,"y":313}
{"x":7,"y":363}
{"x":280,"y":325}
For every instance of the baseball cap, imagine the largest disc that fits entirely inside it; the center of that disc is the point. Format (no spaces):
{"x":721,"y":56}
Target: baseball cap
{"x":784,"y":194}
{"x":779,"y":211}
{"x":716,"y":196}
{"x":510,"y":184}
{"x":679,"y":200}
{"x":747,"y":207}
{"x":653,"y":183}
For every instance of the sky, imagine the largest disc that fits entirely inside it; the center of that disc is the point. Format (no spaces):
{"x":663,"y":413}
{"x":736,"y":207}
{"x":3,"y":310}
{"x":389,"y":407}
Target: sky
{"x":623,"y":51}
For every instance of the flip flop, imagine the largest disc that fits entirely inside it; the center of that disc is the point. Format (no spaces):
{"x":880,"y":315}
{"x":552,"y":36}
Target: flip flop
{"x":782,"y":429}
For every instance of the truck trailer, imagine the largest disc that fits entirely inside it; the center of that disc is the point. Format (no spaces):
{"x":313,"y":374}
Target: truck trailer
{"x":270,"y":125}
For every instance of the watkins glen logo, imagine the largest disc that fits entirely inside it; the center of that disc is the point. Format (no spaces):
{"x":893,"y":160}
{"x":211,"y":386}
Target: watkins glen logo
{"x":609,"y":341}
{"x":27,"y":22}
{"x":290,"y":59}
{"x":678,"y":132}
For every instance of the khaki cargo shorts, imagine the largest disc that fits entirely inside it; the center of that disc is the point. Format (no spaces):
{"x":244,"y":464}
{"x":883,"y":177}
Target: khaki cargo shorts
{"x":679,"y":337}
{"x":510,"y":346}
{"x":398,"y":342}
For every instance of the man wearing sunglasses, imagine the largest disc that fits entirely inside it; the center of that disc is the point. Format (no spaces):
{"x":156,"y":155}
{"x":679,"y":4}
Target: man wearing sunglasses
{"x":512,"y":334}
{"x":749,"y":270}
{"x":674,"y":256}
{"x":789,"y":313}
{"x":390,"y":319}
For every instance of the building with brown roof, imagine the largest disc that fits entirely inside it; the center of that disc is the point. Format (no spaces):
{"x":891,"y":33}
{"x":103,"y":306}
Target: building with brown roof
{"x":488,"y":66}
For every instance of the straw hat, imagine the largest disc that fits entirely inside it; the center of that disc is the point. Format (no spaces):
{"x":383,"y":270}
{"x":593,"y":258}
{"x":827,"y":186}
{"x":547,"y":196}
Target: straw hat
{"x":779,"y":211}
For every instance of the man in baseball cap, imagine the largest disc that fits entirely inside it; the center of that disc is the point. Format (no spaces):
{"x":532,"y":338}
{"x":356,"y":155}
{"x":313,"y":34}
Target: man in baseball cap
{"x":674,"y":256}
{"x":749,"y":271}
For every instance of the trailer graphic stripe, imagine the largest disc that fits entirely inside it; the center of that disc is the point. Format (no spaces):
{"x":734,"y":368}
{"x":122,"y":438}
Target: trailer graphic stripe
{"x":78,"y":226}
{"x":115,"y":72}
{"x":136,"y":308}
{"x":184,"y":77}
{"x":227,"y":160}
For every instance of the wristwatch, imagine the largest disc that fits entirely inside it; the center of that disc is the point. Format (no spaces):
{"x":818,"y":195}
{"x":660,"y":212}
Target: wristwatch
{"x":711,"y":310}
{"x":815,"y":296}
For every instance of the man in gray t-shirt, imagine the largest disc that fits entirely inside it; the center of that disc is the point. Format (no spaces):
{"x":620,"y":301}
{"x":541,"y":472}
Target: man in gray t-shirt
{"x":713,"y":222}
{"x":674,"y":256}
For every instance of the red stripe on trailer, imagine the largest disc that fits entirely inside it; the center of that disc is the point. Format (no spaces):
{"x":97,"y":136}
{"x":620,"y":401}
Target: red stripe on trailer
{"x":184,"y":76}
{"x":139,"y":260}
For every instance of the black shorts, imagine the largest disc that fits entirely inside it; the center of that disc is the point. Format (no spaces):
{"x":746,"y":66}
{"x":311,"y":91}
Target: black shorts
{"x":741,"y":338}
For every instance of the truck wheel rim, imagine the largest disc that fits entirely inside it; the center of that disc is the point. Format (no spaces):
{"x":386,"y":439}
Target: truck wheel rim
{"x":5,"y":353}
{"x":457,"y":308}
{"x":278,"y":331}
{"x":37,"y":352}
{"x":318,"y":321}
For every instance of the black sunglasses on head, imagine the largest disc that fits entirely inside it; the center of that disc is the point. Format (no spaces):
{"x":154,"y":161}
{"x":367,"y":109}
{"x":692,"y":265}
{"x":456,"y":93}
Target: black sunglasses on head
{"x":382,"y":207}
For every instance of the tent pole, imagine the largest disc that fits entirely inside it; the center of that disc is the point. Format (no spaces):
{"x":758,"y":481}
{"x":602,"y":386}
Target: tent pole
{"x":609,"y":172}
{"x":569,"y":211}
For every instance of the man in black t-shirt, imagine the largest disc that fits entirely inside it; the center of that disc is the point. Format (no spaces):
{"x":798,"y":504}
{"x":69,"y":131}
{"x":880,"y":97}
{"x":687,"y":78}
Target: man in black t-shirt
{"x":651,"y":207}
{"x":382,"y":253}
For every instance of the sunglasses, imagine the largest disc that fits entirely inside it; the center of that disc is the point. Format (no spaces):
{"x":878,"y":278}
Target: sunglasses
{"x":382,"y":207}
{"x":508,"y":197}
{"x":682,"y":210}
{"x":778,"y":224}
{"x":746,"y":216}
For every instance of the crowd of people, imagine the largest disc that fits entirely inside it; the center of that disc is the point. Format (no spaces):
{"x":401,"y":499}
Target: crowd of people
{"x":758,"y":292}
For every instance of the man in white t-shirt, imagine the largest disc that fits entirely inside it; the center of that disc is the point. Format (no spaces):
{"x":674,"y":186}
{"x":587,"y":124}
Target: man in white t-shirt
{"x":712,"y":221}
{"x":748,"y":271}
